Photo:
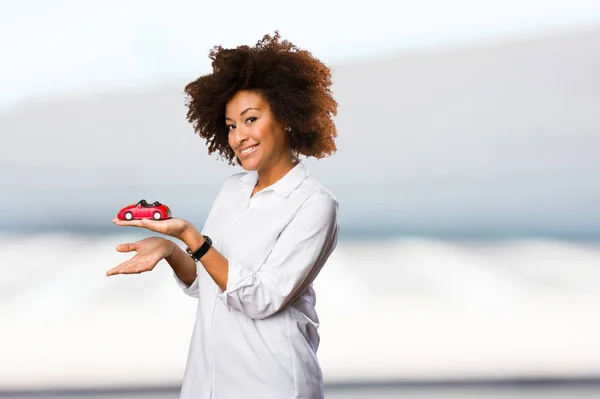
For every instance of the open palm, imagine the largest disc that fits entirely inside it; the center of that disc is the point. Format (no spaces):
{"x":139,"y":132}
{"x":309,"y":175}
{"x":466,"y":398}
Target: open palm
{"x":150,"y":251}
{"x":173,"y":227}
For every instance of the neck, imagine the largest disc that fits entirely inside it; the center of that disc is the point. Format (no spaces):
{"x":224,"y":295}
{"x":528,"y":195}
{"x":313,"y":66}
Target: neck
{"x":271,"y":175}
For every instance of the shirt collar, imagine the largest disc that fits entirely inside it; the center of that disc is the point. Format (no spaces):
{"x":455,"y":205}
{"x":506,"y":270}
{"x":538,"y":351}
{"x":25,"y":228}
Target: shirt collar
{"x":283,"y":186}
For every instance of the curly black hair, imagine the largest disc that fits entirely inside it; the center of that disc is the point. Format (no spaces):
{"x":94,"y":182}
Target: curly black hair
{"x":296,"y":85}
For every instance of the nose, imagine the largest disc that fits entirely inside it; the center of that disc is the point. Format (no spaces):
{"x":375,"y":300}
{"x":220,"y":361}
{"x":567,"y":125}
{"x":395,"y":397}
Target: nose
{"x":240,"y":135}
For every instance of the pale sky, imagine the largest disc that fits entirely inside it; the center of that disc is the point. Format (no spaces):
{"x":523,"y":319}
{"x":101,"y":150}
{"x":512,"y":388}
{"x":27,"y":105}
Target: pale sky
{"x":69,"y":47}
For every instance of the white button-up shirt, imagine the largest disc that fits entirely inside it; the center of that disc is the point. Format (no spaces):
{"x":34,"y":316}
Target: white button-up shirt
{"x":258,"y":338}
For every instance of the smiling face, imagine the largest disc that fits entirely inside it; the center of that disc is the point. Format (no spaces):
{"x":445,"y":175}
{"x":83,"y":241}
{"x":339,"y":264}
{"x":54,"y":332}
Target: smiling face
{"x":258,"y":140}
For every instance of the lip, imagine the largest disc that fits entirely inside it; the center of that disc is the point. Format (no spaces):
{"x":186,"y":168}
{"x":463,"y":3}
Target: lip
{"x":244,"y":154}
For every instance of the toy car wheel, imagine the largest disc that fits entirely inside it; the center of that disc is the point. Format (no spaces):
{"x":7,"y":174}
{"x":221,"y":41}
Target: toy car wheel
{"x":156,"y":215}
{"x":128,"y":215}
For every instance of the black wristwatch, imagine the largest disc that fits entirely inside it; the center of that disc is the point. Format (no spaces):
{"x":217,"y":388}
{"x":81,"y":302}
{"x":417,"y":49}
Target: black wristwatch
{"x":196,"y":255}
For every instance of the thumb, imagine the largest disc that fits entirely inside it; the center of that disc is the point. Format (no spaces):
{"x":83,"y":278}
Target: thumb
{"x":126,"y":247}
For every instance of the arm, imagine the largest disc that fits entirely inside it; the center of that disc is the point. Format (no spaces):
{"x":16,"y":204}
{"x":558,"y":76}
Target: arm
{"x":183,"y":266}
{"x":215,"y":264}
{"x":301,"y":250}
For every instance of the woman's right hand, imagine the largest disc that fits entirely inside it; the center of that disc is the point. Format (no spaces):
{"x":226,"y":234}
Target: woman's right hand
{"x":150,"y":251}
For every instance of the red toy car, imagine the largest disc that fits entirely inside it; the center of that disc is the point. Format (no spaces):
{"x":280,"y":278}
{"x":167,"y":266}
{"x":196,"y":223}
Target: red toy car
{"x":144,"y":210}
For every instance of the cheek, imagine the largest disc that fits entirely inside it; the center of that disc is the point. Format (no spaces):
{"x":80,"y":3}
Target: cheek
{"x":267,"y":135}
{"x":258,"y":133}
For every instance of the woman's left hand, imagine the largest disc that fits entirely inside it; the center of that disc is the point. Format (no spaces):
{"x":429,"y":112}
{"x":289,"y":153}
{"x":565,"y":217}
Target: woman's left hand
{"x":150,"y":251}
{"x":173,"y":227}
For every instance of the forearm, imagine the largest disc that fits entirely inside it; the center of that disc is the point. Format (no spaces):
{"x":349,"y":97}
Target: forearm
{"x":215,"y":264}
{"x":183,"y":266}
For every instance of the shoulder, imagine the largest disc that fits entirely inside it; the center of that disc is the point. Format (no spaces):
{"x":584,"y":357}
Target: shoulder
{"x":313,"y":189}
{"x":233,"y":181}
{"x":235,"y":178}
{"x":319,"y":209}
{"x":318,"y":200}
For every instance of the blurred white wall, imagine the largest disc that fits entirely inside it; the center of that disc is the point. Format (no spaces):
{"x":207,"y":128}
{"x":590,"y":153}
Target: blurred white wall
{"x":67,"y":48}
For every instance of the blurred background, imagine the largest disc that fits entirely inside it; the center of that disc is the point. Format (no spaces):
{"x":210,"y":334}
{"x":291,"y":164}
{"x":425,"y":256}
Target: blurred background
{"x":467,"y":173}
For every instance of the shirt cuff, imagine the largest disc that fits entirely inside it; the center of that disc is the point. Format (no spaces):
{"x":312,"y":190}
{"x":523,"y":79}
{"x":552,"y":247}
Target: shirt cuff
{"x":238,"y":277}
{"x":191,"y":290}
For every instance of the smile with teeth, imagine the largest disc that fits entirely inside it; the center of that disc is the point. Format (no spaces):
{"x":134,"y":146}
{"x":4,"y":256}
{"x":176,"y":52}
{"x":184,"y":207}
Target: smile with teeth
{"x":249,"y":150}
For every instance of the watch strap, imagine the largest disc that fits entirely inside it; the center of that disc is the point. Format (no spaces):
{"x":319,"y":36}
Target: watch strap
{"x":199,"y":253}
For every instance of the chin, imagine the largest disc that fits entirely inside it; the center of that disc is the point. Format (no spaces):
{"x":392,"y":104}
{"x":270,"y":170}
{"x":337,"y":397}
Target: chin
{"x":249,"y":165}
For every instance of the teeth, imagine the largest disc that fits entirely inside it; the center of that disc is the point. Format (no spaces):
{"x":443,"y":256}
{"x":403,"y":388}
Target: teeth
{"x":249,"y":149}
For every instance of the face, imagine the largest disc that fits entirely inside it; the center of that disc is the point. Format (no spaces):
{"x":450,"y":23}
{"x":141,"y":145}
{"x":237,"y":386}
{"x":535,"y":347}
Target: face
{"x":257,"y":139}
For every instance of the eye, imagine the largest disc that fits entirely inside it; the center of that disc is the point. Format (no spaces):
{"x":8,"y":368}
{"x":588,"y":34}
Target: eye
{"x":230,"y":127}
{"x":251,"y":119}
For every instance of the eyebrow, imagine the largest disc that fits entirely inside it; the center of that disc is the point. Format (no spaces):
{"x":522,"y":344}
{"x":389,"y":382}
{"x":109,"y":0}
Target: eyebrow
{"x":243,"y":112}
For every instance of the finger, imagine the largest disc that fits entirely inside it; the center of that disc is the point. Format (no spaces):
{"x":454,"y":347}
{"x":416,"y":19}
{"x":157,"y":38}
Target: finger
{"x":150,"y":224}
{"x":132,"y":223}
{"x":129,"y":268}
{"x":125,"y":268}
{"x":128,"y":264}
{"x":118,"y":269}
{"x":127,"y":247}
{"x":135,"y":265}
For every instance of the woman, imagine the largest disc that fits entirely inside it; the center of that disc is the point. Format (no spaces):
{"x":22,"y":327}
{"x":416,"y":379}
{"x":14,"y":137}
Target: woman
{"x":268,"y":233}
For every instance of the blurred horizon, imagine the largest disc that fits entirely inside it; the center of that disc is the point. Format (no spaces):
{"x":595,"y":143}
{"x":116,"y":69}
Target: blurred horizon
{"x":497,"y":151}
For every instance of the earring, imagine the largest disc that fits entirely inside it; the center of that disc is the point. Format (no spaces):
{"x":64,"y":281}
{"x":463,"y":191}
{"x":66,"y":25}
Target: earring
{"x":288,"y":129}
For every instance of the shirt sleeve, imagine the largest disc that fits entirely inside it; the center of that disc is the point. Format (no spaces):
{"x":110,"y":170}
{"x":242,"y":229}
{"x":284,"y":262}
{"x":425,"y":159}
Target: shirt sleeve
{"x":300,"y":252}
{"x":193,"y":289}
